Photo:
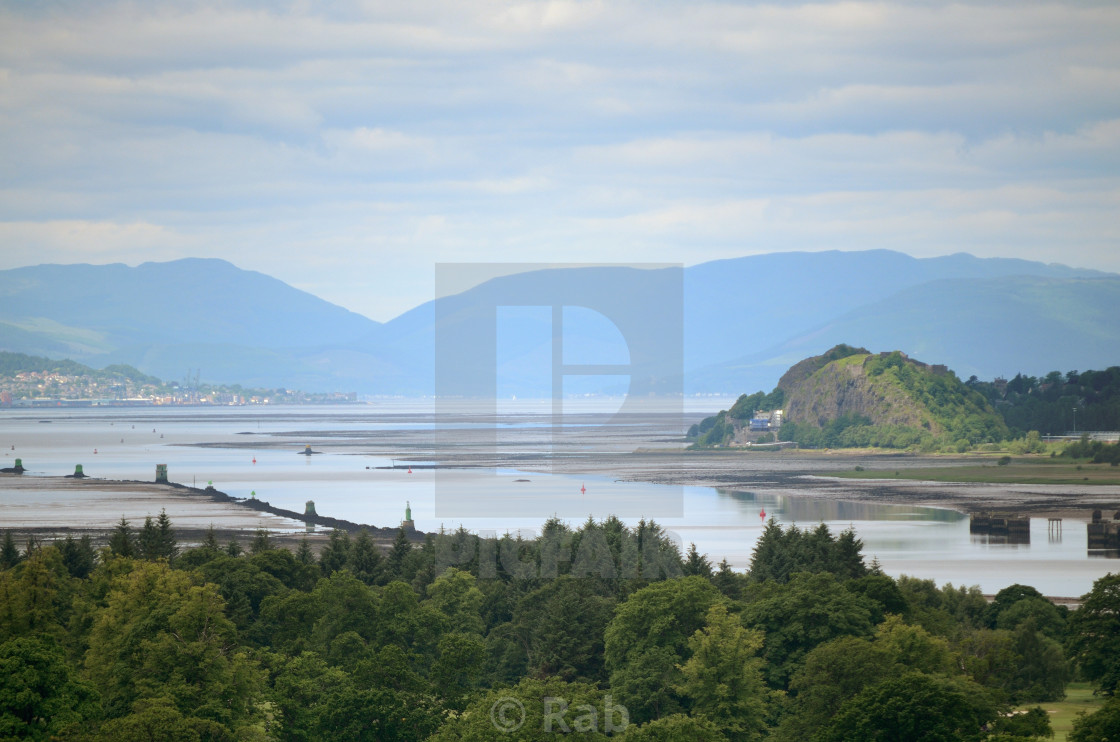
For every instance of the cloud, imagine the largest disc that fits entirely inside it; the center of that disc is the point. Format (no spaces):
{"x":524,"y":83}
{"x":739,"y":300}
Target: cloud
{"x":342,"y":147}
{"x":73,"y":241}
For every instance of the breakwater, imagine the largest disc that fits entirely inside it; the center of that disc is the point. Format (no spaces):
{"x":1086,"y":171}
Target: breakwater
{"x":310,"y":518}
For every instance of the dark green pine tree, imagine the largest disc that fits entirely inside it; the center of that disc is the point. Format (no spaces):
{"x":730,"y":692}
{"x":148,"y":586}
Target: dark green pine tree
{"x":9,"y":554}
{"x":262,"y":541}
{"x":78,"y":556}
{"x":304,"y":554}
{"x":767,"y":550}
{"x":365,"y":559}
{"x":819,"y":551}
{"x":398,"y":557}
{"x":168,"y":544}
{"x":336,"y":553}
{"x":727,"y":581}
{"x":696,"y":563}
{"x":425,"y":567}
{"x":32,"y":547}
{"x":233,"y":548}
{"x":210,"y":543}
{"x":147,"y":541}
{"x":849,"y":555}
{"x":122,"y":542}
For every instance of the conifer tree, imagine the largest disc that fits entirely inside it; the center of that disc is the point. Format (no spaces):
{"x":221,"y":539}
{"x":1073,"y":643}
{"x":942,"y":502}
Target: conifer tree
{"x":304,"y":554}
{"x":849,"y":555}
{"x":9,"y":554}
{"x":121,"y":543}
{"x":147,"y":541}
{"x":262,"y":541}
{"x":365,"y":559}
{"x":696,"y":563}
{"x":233,"y":548}
{"x":727,"y":581}
{"x":167,"y":543}
{"x":78,"y":556}
{"x":210,"y":543}
{"x":398,"y":555}
{"x":336,"y":553}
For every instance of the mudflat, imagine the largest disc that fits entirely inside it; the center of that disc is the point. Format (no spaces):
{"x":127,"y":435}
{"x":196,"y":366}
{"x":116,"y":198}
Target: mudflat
{"x":55,"y":506}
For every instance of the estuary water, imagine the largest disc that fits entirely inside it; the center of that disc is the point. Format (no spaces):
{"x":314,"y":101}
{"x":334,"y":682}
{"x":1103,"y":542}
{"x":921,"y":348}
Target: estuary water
{"x":373,"y":459}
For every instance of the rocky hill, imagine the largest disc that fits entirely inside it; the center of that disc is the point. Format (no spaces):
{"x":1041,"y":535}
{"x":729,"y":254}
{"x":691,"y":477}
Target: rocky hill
{"x":850,"y":397}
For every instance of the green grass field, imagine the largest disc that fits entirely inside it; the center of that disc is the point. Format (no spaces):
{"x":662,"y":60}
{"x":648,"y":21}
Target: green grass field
{"x":1021,"y":470}
{"x":1079,"y":697}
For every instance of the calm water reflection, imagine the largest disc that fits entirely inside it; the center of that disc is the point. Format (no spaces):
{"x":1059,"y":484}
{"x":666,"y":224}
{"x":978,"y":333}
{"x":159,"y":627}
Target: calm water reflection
{"x":257,"y":450}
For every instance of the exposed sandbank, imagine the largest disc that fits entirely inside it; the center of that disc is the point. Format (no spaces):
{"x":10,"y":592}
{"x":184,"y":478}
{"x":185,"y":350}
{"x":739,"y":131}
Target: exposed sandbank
{"x":56,"y":506}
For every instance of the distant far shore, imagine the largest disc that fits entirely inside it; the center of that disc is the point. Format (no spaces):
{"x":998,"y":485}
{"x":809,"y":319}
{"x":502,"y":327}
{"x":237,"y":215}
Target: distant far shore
{"x":967,"y":483}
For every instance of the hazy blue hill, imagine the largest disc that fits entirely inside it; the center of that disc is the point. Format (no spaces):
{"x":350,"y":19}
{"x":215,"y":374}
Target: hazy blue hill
{"x":239,"y":326}
{"x":741,"y":307}
{"x":745,"y":320}
{"x":731,"y":307}
{"x":525,"y":327}
{"x":987,"y":327}
{"x":189,"y":301}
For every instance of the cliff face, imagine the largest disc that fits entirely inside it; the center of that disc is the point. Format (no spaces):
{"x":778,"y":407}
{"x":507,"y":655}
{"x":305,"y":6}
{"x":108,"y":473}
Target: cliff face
{"x":888,"y":389}
{"x":843,"y":387}
{"x":802,"y":370}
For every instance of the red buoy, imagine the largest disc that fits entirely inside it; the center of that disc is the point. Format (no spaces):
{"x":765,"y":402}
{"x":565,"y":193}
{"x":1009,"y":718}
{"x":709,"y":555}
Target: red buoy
{"x":762,"y":514}
{"x":582,"y":489}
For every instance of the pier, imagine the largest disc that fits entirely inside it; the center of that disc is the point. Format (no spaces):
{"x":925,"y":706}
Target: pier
{"x":1104,"y":535}
{"x":1001,"y":529}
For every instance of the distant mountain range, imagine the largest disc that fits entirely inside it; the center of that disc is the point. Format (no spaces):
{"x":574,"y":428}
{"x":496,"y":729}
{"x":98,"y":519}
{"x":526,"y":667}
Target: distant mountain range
{"x":744,"y":321}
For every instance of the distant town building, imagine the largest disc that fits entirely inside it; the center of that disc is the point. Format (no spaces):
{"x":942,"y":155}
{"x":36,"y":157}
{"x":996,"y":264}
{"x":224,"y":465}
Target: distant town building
{"x":766,"y":420}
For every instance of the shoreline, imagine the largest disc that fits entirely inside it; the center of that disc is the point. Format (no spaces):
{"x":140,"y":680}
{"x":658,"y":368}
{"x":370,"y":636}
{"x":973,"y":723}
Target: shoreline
{"x":238,"y":518}
{"x":813,"y":475}
{"x":99,"y":504}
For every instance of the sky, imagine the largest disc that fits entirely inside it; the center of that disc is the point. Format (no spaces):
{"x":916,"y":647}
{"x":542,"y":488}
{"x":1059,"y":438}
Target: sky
{"x":347,"y":148}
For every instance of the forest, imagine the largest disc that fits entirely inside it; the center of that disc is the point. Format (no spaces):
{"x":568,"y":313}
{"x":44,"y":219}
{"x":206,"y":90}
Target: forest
{"x":1056,"y":403}
{"x":597,"y":632}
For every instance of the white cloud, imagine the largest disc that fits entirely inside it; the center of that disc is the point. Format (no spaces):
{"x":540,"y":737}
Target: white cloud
{"x":389,"y":136}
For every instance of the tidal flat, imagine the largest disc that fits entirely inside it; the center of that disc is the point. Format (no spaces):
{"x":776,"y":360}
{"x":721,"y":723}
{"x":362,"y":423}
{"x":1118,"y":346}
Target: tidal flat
{"x":510,"y":472}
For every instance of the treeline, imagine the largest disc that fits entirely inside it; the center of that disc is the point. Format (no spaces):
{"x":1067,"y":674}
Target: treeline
{"x":604,"y":631}
{"x":1098,"y":452}
{"x":1056,"y":403}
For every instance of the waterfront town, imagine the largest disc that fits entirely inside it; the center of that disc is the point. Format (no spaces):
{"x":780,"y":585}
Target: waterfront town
{"x":82,"y":387}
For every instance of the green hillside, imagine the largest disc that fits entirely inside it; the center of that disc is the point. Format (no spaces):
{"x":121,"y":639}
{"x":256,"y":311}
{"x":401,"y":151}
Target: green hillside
{"x":15,"y":363}
{"x":849,"y":397}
